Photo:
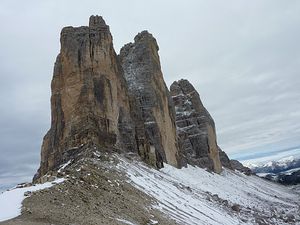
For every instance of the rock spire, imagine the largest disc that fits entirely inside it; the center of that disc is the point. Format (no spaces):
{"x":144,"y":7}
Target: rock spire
{"x":142,"y":71}
{"x":195,"y":127}
{"x":89,"y":96}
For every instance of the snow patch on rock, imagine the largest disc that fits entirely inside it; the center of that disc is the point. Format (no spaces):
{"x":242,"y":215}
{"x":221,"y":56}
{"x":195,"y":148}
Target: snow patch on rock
{"x":11,"y":200}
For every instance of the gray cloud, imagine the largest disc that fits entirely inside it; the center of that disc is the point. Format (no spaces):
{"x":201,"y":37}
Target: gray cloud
{"x":242,"y":56}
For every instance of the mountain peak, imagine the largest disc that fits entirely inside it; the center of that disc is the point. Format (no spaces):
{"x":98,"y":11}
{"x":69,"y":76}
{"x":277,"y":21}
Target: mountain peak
{"x":96,"y":22}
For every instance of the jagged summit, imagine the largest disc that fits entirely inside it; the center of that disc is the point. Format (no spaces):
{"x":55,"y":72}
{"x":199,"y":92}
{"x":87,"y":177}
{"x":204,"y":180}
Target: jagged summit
{"x":96,"y":21}
{"x":184,"y":87}
{"x":145,"y":36}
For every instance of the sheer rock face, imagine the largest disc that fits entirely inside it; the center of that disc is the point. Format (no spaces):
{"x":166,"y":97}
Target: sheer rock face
{"x":89,"y":102}
{"x":154,"y":109}
{"x":195,"y":127}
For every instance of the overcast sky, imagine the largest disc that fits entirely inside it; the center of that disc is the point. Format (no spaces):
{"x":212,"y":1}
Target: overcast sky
{"x":242,"y":56}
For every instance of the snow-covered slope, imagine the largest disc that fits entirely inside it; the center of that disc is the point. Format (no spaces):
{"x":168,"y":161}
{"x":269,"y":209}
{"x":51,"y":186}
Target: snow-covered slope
{"x":190,"y":196}
{"x":11,"y":200}
{"x":194,"y":196}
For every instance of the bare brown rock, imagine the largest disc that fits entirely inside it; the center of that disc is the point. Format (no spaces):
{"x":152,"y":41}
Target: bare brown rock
{"x":89,"y":99}
{"x":94,"y":103}
{"x":195,"y":127}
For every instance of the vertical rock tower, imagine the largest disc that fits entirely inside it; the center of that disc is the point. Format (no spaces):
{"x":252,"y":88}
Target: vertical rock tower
{"x":89,"y":98}
{"x":196,"y":127}
{"x":142,"y":71}
{"x":95,"y":104}
{"x":109,"y":102}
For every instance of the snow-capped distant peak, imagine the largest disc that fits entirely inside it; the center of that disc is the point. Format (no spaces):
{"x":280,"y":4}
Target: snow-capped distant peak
{"x":275,"y":166}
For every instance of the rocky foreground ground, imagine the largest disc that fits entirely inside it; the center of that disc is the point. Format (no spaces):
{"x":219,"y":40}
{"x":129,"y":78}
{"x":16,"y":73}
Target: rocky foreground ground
{"x":94,"y":193}
{"x":108,"y":188}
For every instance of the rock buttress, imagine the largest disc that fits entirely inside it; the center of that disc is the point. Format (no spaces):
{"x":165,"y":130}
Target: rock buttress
{"x":225,"y":161}
{"x":233,"y":164}
{"x":89,"y":102}
{"x":155,"y":114}
{"x":195,"y":127}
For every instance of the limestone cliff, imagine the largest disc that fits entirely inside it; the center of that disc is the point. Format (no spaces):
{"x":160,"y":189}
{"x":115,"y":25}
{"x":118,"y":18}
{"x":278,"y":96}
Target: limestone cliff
{"x":89,"y":102}
{"x":195,"y":127}
{"x":95,"y":104}
{"x":121,"y":103}
{"x":154,"y":107}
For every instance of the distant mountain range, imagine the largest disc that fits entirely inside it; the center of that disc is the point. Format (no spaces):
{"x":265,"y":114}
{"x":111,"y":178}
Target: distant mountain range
{"x":285,"y":171}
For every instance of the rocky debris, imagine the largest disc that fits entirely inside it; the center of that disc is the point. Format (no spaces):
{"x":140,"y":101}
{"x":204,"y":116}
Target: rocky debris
{"x":290,"y":218}
{"x":235,"y":207}
{"x":94,"y":193}
{"x":154,"y":109}
{"x":22,"y":185}
{"x":236,"y":165}
{"x":233,"y":164}
{"x":195,"y":127}
{"x":27,"y":193}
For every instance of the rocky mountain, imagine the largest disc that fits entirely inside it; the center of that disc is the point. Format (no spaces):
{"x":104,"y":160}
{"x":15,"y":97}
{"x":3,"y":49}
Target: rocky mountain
{"x":276,"y":166}
{"x":123,"y":149}
{"x":93,"y":105}
{"x":285,"y":171}
{"x":290,"y":178}
{"x":89,"y":96}
{"x":122,"y":104}
{"x":154,"y":111}
{"x":196,"y":128}
{"x":197,"y":132}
